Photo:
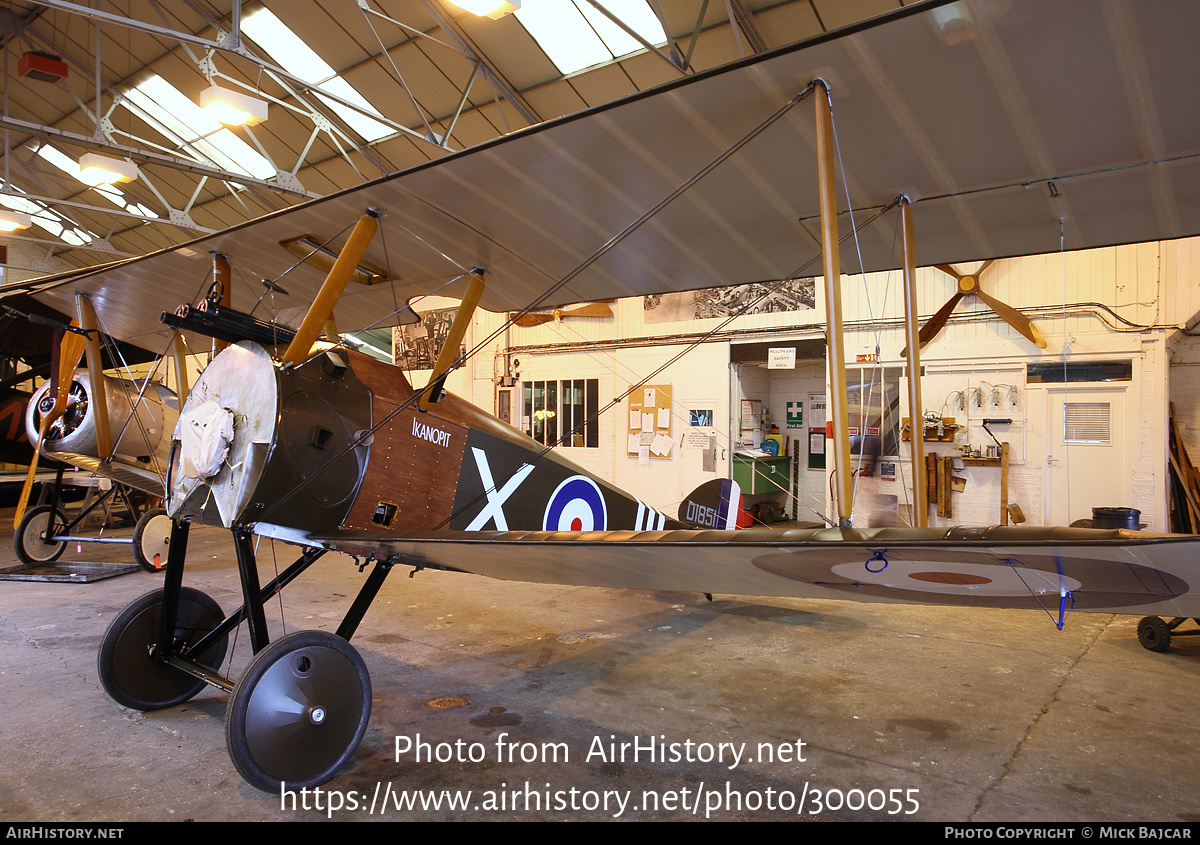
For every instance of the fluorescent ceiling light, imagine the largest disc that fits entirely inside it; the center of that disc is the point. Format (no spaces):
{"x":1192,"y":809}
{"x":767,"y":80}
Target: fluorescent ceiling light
{"x":69,"y":166}
{"x":232,"y":108}
{"x":10,"y":221}
{"x":488,"y":8}
{"x":95,"y":169}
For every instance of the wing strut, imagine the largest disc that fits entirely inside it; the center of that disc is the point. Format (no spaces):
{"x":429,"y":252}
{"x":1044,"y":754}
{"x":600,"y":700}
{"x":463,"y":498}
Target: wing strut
{"x":826,"y":148}
{"x":322,"y":308}
{"x":99,"y":397}
{"x":68,"y":352}
{"x":222,"y":276}
{"x":448,"y":354}
{"x":920,"y":515}
{"x":179,"y":356}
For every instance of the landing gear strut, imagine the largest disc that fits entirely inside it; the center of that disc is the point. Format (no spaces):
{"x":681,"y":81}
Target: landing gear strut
{"x":298,"y":712}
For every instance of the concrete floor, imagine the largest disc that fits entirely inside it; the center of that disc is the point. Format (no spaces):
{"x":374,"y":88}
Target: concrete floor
{"x":968,"y":715}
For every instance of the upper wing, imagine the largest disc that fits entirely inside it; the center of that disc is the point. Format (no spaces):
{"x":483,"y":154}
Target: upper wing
{"x":998,"y":120}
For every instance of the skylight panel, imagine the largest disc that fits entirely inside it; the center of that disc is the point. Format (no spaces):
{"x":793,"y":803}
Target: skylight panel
{"x":288,"y":51}
{"x":18,"y":204}
{"x":576,"y":36}
{"x":563,"y":33}
{"x":637,"y":16}
{"x":44,"y":218}
{"x":176,"y":117}
{"x":59,"y":159}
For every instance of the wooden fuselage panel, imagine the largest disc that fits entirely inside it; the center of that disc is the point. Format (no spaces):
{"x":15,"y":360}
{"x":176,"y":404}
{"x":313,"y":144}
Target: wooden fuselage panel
{"x":459,"y":468}
{"x":415,"y":457}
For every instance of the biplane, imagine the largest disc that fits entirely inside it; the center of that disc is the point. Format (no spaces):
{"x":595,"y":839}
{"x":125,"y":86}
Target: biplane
{"x":33,"y":333}
{"x":992,"y":128}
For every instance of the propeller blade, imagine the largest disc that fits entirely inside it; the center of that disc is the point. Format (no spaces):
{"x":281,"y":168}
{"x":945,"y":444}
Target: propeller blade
{"x":949,"y":271}
{"x":1015,"y":319}
{"x":935,"y":323}
{"x":70,"y":351}
{"x":591,"y":309}
{"x":528,"y":320}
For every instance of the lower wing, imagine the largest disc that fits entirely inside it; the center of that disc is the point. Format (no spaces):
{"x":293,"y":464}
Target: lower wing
{"x":1055,"y":569}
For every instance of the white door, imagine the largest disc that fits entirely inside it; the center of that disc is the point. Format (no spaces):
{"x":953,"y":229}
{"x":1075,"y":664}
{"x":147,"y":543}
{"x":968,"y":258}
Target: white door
{"x":1088,"y":461}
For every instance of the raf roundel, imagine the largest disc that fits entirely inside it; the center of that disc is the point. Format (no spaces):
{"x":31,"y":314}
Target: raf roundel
{"x":576,"y":505}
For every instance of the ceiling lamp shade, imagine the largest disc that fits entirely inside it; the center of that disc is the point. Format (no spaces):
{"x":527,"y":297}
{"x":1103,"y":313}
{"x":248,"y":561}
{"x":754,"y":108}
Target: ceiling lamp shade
{"x":10,"y":221}
{"x":95,"y":169}
{"x":489,"y":8}
{"x":232,"y":108}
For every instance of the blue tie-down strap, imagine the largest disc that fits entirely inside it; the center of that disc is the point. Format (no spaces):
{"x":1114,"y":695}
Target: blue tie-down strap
{"x":1066,"y":598}
{"x":879,"y":554}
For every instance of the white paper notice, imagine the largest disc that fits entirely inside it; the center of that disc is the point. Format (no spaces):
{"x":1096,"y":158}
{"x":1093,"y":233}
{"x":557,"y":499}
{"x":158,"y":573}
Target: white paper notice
{"x":662,"y":446}
{"x":635,"y":443}
{"x":643,"y":455}
{"x":781,"y":358}
{"x":649,"y":399}
{"x":635,"y":418}
{"x":664,"y":417}
{"x":648,"y":422}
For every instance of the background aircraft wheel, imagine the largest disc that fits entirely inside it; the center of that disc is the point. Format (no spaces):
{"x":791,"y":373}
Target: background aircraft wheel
{"x":1154,"y":633}
{"x":130,"y":676}
{"x":299,"y":711}
{"x":38,"y":523}
{"x":151,"y":536}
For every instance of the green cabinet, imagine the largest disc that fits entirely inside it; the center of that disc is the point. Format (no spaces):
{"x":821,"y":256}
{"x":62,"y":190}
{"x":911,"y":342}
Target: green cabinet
{"x":757,"y":476}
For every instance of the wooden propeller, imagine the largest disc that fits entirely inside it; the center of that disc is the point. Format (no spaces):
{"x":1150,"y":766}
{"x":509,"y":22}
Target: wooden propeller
{"x":968,"y":285}
{"x":69,"y":352}
{"x":590,"y":309}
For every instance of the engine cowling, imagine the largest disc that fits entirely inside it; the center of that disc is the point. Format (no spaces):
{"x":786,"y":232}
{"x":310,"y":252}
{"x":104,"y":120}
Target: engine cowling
{"x":143,"y":432}
{"x":293,"y":453}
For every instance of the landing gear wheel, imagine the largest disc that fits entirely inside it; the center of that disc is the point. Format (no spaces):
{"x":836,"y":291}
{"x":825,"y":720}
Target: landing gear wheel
{"x":1154,"y":633}
{"x":298,"y":712}
{"x":151,"y":537}
{"x":37,"y":524}
{"x":130,"y":675}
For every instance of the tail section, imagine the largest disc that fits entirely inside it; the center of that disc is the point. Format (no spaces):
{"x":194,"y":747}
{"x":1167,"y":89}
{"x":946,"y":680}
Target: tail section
{"x":714,"y":504}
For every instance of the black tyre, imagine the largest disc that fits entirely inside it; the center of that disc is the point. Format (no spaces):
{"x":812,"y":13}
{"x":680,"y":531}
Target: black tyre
{"x":298,"y":712}
{"x":131,"y":677}
{"x":29,"y":540}
{"x":151,"y":538}
{"x":1154,"y":633}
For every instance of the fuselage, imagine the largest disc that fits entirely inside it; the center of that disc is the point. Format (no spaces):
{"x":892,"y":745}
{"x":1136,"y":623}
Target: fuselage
{"x":339,"y":444}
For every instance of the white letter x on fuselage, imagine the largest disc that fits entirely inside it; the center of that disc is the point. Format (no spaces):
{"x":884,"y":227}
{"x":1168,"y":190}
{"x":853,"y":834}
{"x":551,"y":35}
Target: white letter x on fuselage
{"x":493,"y":510}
